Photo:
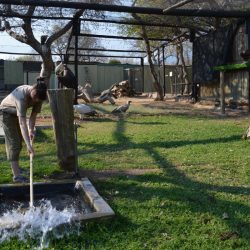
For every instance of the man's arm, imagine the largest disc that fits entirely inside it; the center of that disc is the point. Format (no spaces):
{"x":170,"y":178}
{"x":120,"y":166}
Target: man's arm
{"x":25,"y":133}
{"x":32,"y":122}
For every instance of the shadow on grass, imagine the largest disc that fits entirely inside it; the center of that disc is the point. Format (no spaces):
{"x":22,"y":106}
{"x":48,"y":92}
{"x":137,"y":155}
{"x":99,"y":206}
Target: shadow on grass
{"x":195,"y":195}
{"x":43,"y":137}
{"x":163,"y":144}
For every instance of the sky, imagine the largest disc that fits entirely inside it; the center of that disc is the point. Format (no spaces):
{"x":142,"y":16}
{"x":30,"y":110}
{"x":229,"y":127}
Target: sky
{"x":9,"y":44}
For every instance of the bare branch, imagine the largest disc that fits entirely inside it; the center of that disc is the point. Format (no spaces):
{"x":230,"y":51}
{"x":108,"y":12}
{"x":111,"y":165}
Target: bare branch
{"x":31,"y":10}
{"x":31,"y":40}
{"x":66,"y":28}
{"x":20,"y":38}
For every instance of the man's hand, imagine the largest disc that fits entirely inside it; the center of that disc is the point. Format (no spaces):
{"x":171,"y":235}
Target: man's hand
{"x":32,"y":135}
{"x":30,"y":150}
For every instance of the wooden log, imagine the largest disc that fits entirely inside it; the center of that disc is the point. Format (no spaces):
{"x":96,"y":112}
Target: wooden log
{"x":61,"y":104}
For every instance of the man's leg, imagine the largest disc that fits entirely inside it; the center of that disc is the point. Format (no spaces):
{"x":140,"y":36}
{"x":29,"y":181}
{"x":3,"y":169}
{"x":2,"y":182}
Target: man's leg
{"x":15,"y":168}
{"x":13,"y":141}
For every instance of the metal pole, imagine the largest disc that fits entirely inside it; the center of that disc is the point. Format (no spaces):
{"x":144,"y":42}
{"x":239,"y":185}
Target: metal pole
{"x":164,"y":70}
{"x":76,"y":33}
{"x":129,"y":9}
{"x":159,"y":65}
{"x":143,"y":79}
{"x":125,"y":37}
{"x":222,"y":92}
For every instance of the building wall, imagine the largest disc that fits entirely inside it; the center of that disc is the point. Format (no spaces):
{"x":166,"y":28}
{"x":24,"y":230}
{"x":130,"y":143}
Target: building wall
{"x":236,"y":87}
{"x":101,"y":76}
{"x":236,"y":82}
{"x":1,"y":74}
{"x":13,"y":74}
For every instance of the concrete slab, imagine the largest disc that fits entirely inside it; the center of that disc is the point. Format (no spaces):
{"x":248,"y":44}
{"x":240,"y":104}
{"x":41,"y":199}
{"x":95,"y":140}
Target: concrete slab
{"x":95,"y":205}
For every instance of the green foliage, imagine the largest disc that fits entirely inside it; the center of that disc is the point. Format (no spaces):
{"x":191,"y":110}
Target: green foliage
{"x":235,"y":66}
{"x":201,"y":172}
{"x":114,"y":61}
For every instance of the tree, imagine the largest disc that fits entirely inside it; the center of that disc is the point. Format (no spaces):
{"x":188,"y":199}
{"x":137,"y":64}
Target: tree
{"x":24,"y":28}
{"x":175,"y":36}
{"x":114,"y":61}
{"x":60,"y":46}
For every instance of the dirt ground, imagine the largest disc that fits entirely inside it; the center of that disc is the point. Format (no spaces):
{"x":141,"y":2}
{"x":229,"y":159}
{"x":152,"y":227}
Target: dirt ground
{"x":183,"y":105}
{"x":172,"y":105}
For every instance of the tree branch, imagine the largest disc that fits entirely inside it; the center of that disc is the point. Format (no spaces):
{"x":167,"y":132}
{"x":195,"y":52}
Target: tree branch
{"x":31,"y":40}
{"x":30,"y":11}
{"x":20,"y":38}
{"x":62,"y":31}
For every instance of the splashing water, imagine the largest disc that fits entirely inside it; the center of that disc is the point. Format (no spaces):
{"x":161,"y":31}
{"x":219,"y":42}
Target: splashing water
{"x":36,"y":222}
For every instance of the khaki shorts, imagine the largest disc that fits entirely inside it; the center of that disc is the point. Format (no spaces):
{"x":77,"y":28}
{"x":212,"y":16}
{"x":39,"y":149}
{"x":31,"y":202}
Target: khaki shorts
{"x":13,"y":136}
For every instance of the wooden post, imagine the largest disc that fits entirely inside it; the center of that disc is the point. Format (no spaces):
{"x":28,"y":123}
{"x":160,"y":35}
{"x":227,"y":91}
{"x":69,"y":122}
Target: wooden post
{"x":222,"y":92}
{"x":61,"y":104}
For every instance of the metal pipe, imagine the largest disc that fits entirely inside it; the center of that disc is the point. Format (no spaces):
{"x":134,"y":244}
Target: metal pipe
{"x":110,"y":50}
{"x":131,"y":9}
{"x":104,"y":21}
{"x":164,"y":70}
{"x":76,"y":28}
{"x":159,"y":65}
{"x":123,"y":37}
{"x":115,"y":56}
{"x":32,"y":54}
{"x":143,"y":79}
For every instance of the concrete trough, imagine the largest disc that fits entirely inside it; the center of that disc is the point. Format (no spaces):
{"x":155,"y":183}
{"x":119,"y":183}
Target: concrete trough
{"x":90,"y":205}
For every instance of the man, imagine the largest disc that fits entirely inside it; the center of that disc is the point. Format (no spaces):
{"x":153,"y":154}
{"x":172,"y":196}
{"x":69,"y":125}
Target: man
{"x":13,"y":111}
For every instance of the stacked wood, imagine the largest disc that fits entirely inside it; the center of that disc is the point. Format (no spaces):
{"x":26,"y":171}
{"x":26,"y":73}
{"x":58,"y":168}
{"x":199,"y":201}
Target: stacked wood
{"x":122,"y":89}
{"x":106,"y":95}
{"x":86,"y":93}
{"x":116,"y":90}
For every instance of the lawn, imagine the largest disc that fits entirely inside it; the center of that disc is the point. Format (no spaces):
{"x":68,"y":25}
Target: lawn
{"x":198,"y":197}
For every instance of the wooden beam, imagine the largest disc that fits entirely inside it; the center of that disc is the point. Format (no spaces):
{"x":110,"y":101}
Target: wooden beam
{"x":61,"y":104}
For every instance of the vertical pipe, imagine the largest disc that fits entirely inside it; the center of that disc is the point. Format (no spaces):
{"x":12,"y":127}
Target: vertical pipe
{"x":77,"y":25}
{"x":76,"y":33}
{"x":248,"y":48}
{"x":164,"y":70}
{"x":143,"y":79}
{"x":27,"y":77}
{"x":159,"y":66}
{"x":222,"y":92}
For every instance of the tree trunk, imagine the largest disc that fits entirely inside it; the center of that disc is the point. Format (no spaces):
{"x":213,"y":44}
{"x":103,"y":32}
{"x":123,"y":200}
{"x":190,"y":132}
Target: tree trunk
{"x":47,"y":66}
{"x":184,"y":70}
{"x":184,"y":73}
{"x":156,"y":82}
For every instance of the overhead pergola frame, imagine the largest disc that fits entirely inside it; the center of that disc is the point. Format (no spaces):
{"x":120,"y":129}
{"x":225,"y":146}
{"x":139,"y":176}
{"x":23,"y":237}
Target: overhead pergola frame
{"x":180,"y":12}
{"x":131,"y":9}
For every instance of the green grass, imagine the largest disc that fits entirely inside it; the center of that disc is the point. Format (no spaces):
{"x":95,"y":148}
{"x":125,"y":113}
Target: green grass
{"x":205,"y":173}
{"x":235,"y":66}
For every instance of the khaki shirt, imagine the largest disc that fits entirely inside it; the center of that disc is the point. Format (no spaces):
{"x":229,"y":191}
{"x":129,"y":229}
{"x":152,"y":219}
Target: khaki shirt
{"x":18,"y":101}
